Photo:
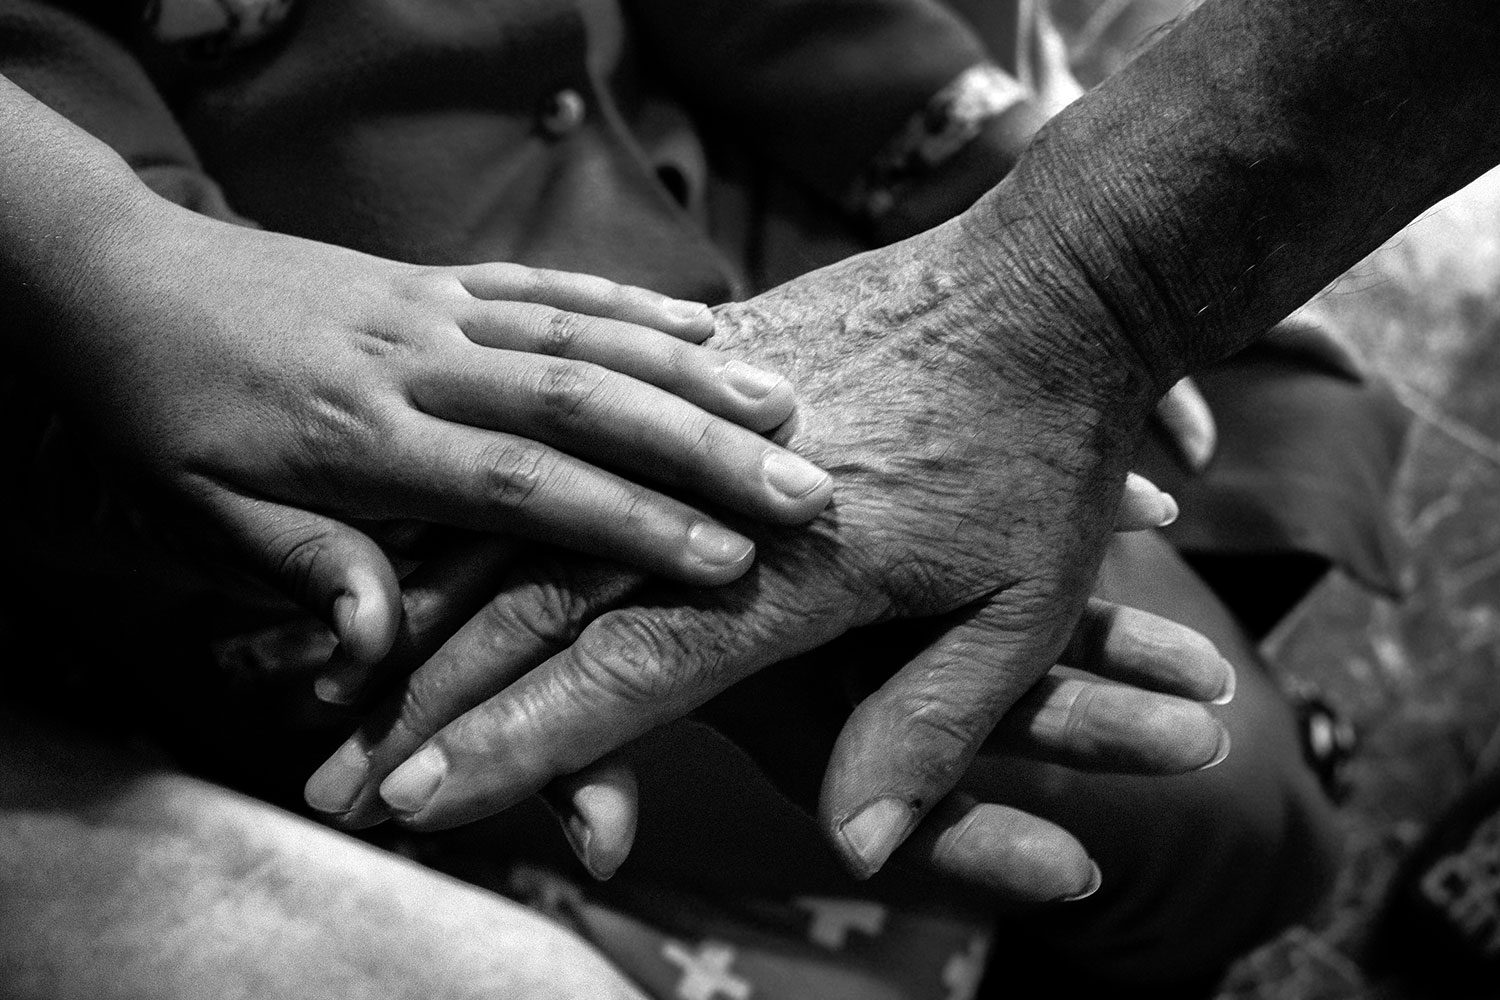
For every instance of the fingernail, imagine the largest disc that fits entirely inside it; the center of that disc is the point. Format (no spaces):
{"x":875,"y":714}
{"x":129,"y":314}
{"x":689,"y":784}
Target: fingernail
{"x":344,"y":610}
{"x":341,"y":680}
{"x":718,"y":546}
{"x":412,"y":785}
{"x":877,"y":830}
{"x":581,"y":839}
{"x":690,"y":312}
{"x":1169,"y":509}
{"x":335,"y":689}
{"x":334,"y":786}
{"x":750,"y":381}
{"x":1221,"y":752}
{"x":1145,"y":492}
{"x":791,"y":476}
{"x":1096,"y":879}
{"x":1226,"y":695}
{"x":1199,"y":448}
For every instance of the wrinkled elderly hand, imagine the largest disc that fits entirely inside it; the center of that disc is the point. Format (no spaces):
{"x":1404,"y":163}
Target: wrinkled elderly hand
{"x":1135,"y":714}
{"x":978,"y":436}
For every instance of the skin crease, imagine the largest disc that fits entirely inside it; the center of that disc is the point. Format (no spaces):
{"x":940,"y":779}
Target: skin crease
{"x":992,"y":363}
{"x":334,"y":440}
{"x":898,"y":541}
{"x":269,"y":415}
{"x":1164,"y":220}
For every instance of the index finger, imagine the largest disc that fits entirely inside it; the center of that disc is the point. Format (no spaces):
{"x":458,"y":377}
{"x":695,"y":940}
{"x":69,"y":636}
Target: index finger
{"x":629,"y":672}
{"x":906,"y":746}
{"x":532,"y":613}
{"x":590,"y":295}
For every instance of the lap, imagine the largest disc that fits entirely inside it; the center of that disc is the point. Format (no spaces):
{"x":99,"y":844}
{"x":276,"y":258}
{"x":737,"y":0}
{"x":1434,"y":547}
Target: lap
{"x":121,"y":877}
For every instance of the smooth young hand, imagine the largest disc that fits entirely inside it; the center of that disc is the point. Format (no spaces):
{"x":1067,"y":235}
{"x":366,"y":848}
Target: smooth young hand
{"x":279,"y":389}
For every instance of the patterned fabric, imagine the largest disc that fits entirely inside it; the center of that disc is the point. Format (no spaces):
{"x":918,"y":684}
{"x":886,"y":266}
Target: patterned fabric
{"x":951,"y":120}
{"x":677,"y":946}
{"x":1440,"y":923}
{"x":1465,"y":886}
{"x":211,"y":27}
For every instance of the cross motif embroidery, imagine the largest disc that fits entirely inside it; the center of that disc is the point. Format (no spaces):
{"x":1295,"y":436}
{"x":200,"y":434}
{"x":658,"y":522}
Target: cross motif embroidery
{"x":1466,"y":887}
{"x":833,"y":919}
{"x":705,"y":973}
{"x":965,"y":969}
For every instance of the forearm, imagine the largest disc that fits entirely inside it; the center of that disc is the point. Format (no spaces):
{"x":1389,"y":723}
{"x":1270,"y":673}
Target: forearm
{"x":1253,"y":155}
{"x":89,"y":139}
{"x":61,"y":192}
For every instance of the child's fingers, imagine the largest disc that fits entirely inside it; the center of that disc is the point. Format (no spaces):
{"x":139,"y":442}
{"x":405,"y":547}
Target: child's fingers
{"x":722,"y":385}
{"x":1145,"y":650}
{"x":1144,"y":505}
{"x":636,"y":429}
{"x":470,"y":478}
{"x":589,"y":295}
{"x":336,"y":572}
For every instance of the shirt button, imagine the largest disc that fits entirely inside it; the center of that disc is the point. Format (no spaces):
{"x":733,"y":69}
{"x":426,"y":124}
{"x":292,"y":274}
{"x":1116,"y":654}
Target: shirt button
{"x":564,"y":112}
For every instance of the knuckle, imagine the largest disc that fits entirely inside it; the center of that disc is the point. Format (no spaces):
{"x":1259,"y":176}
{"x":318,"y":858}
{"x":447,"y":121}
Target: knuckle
{"x":613,"y":298}
{"x":560,"y":334}
{"x":511,"y":473}
{"x":548,"y":615}
{"x":425,"y":285}
{"x":631,"y":659}
{"x":703,"y":441}
{"x":418,"y":715}
{"x":682,"y":361}
{"x":943,"y":739}
{"x":333,"y":425}
{"x":1080,"y":712}
{"x":565,"y":389}
{"x":301,"y":554}
{"x":637,"y":511}
{"x":517,"y":280}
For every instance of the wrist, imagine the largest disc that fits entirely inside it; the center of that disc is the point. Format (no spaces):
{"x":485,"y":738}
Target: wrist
{"x":1039,"y":311}
{"x":72,"y":203}
{"x":954,"y":185}
{"x":1120,"y":243}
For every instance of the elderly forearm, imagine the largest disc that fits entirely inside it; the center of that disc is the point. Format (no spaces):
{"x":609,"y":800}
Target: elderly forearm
{"x":1261,"y":149}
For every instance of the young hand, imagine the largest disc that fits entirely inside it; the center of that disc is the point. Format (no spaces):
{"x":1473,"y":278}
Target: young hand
{"x":275,"y":390}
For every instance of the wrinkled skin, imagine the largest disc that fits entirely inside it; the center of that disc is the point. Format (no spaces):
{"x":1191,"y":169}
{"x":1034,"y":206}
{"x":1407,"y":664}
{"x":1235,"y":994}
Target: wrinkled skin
{"x":977,"y":477}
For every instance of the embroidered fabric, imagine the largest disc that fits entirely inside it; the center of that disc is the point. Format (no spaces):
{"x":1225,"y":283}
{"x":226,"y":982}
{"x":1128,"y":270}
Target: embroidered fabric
{"x":951,"y":120}
{"x":212,"y":27}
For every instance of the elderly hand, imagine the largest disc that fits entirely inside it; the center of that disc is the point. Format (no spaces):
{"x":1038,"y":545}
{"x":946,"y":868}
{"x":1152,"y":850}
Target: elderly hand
{"x":1136,"y":714}
{"x":979,"y":443}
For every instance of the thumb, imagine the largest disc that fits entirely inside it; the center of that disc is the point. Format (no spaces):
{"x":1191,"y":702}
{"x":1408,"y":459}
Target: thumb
{"x":332,"y":570}
{"x":598,"y":808}
{"x":906,"y":746}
